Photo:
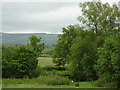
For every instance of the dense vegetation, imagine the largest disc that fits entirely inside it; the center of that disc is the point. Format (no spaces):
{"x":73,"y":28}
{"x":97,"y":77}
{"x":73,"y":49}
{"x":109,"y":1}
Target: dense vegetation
{"x":86,"y":52}
{"x":92,"y":49}
{"x":21,"y":61}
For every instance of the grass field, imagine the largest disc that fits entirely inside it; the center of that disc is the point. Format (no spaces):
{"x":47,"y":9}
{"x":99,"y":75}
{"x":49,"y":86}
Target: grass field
{"x":45,"y":61}
{"x":34,"y":83}
{"x":43,"y":81}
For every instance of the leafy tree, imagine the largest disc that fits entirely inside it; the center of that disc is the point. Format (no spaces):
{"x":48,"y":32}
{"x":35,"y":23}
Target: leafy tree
{"x":35,"y":44}
{"x":99,"y":16}
{"x":99,"y":21}
{"x":83,"y":56}
{"x":108,"y":64}
{"x":27,"y":59}
{"x":65,"y":40}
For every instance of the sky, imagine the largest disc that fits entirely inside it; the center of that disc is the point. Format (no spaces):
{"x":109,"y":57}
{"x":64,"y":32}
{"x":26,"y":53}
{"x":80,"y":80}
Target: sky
{"x":40,"y":17}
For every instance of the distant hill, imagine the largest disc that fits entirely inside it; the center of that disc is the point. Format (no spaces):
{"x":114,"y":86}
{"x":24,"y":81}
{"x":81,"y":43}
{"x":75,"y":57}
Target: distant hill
{"x":48,"y":39}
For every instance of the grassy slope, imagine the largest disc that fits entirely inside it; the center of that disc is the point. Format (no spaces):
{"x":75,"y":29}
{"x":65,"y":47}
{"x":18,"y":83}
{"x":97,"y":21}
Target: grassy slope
{"x":38,"y":82}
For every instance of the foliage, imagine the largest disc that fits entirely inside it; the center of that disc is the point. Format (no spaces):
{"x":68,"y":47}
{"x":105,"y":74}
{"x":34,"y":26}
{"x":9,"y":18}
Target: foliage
{"x":99,"y":83}
{"x":35,"y":44}
{"x":78,"y":46}
{"x":89,"y":51}
{"x":108,"y":63}
{"x":63,"y":44}
{"x":8,"y":52}
{"x":77,"y":84}
{"x":64,"y":73}
{"x":49,"y":78}
{"x":98,"y":22}
{"x":99,"y":16}
{"x":56,"y":80}
{"x":83,"y":55}
{"x":18,"y":62}
{"x":35,"y":72}
{"x":21,"y":61}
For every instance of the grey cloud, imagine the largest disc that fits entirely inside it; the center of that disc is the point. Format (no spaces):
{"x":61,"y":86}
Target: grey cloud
{"x":14,"y":19}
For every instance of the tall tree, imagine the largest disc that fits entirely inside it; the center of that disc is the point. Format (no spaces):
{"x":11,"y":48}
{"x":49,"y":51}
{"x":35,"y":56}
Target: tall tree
{"x":83,"y":56}
{"x":99,"y":16}
{"x":99,"y":20}
{"x":65,"y":40}
{"x":108,"y":64}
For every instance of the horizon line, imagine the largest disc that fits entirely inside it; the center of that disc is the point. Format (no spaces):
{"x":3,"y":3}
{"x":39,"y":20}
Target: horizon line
{"x":29,"y":32}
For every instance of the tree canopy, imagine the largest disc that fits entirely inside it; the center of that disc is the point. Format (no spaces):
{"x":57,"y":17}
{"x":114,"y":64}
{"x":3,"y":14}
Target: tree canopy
{"x":99,"y":16}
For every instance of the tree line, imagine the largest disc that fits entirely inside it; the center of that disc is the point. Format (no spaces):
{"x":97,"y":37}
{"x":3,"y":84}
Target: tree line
{"x":92,"y":49}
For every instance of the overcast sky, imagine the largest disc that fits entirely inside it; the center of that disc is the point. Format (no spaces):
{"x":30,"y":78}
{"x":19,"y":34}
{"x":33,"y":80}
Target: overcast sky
{"x":40,"y":17}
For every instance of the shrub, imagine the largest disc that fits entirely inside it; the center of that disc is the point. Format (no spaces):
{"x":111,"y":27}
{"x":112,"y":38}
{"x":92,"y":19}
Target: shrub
{"x":54,"y":80}
{"x":64,"y":73}
{"x":77,"y":84}
{"x":35,"y":73}
{"x":20,"y":64}
{"x":99,"y":83}
{"x":51,"y":68}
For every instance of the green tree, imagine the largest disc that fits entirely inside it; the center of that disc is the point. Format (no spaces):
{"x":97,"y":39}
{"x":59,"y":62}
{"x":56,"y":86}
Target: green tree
{"x":99,"y":16}
{"x":65,"y":40}
{"x":99,"y":21}
{"x":27,"y":59}
{"x":108,"y":64}
{"x":83,"y":56}
{"x":35,"y":44}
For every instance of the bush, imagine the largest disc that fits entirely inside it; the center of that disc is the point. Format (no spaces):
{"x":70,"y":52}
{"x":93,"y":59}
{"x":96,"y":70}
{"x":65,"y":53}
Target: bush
{"x":64,"y":73}
{"x":54,"y":80}
{"x":77,"y":84}
{"x":51,"y":68}
{"x":20,"y":63}
{"x":35,"y":73}
{"x":10,"y":69}
{"x":99,"y":83}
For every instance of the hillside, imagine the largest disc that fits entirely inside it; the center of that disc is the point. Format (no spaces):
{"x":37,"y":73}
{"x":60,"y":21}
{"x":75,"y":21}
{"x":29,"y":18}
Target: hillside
{"x":48,"y":39}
